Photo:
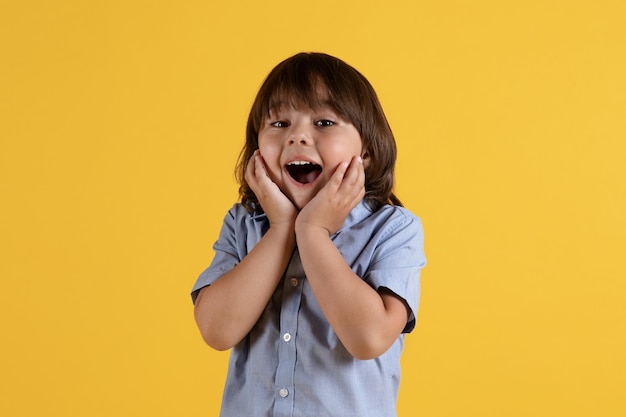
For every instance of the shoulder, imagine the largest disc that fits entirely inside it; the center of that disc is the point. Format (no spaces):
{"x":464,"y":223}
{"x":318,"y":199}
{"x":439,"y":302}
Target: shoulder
{"x":239,"y":214}
{"x":393,"y":218}
{"x":241,"y":227}
{"x":397,"y":212}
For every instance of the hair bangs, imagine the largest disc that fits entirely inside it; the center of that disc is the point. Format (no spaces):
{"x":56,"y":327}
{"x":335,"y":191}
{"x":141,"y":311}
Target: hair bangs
{"x":297,"y":90}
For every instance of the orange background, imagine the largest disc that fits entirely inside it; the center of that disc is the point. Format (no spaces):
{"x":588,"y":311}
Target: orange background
{"x":120,"y":124}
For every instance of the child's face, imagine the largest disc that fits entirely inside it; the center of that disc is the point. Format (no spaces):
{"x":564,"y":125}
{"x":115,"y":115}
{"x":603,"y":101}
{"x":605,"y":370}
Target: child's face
{"x":303,"y":147}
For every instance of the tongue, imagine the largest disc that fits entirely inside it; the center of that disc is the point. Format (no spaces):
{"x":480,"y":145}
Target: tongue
{"x":305,"y":174}
{"x":307,"y":177}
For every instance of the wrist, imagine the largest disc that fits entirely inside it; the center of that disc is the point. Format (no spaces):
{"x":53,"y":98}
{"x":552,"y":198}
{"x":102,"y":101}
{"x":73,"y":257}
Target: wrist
{"x":286,"y":225}
{"x":282,"y":232}
{"x":303,"y":229}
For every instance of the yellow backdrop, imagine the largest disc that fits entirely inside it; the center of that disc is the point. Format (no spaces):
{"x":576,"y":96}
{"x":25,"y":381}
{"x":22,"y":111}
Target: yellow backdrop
{"x":120,"y":124}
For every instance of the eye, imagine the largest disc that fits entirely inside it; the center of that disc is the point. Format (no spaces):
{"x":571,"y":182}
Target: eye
{"x":324,"y":123}
{"x":279,"y":123}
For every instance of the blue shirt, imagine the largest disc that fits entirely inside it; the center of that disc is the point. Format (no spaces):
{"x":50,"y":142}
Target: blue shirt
{"x":292,"y":363}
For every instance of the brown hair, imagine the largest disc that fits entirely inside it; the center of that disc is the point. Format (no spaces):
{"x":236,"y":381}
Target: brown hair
{"x":311,"y":79}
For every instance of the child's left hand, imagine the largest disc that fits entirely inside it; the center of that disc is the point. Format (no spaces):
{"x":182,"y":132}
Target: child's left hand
{"x":332,"y":204}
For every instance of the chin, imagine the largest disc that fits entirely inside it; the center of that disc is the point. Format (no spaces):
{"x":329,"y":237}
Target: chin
{"x":300,"y":202}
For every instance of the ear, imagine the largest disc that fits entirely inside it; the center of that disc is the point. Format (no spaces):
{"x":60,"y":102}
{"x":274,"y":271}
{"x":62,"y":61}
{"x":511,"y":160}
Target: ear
{"x":366,"y":159}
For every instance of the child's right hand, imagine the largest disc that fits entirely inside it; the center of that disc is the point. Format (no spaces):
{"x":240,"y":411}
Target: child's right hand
{"x":278,"y":208}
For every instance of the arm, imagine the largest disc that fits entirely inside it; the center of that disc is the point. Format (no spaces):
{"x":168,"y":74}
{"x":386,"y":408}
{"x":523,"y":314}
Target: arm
{"x":366,"y":321}
{"x":228,"y":309}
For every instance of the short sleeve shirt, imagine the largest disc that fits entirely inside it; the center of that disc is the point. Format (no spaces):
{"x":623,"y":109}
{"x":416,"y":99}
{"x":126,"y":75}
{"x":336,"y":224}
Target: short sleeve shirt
{"x":292,"y":363}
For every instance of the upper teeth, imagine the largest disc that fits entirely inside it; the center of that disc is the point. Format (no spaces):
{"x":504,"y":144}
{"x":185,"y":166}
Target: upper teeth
{"x":300,"y":163}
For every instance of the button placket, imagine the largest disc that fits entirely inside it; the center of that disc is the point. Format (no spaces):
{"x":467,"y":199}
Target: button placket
{"x":288,"y":328}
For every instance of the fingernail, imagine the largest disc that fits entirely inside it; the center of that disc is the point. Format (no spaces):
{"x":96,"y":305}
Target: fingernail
{"x":360,"y":160}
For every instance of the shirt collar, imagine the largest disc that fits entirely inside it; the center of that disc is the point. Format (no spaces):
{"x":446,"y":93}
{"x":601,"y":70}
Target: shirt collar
{"x":357,"y":215}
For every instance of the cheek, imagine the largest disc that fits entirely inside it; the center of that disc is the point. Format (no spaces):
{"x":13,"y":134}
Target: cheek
{"x":271,"y":157}
{"x":343,"y":150}
{"x":267,"y":148}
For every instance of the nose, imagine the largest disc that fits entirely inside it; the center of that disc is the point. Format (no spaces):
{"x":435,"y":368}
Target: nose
{"x":299,"y":134}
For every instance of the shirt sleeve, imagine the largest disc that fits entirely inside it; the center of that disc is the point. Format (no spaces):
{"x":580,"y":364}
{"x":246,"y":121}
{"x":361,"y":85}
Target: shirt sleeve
{"x":398,"y":260}
{"x":226,"y":254}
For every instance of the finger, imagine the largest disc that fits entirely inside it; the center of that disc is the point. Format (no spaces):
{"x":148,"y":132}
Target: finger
{"x":250,"y":171}
{"x":356,"y":172}
{"x":354,"y":177}
{"x":259,"y":168}
{"x":262,"y":174}
{"x":257,"y":177}
{"x":336,"y":180}
{"x":358,"y":197}
{"x":353,"y":187}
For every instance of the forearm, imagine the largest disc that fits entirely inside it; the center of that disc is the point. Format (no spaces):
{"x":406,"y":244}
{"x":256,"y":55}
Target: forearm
{"x":367,"y":322}
{"x":228,"y":309}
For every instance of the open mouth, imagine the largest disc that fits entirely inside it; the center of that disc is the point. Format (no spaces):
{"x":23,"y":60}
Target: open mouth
{"x":304,"y":172}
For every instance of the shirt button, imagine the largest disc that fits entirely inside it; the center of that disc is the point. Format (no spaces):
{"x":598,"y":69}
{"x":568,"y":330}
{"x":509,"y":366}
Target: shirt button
{"x":293,"y":282}
{"x":286,"y":337}
{"x":283,"y":392}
